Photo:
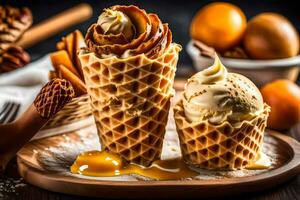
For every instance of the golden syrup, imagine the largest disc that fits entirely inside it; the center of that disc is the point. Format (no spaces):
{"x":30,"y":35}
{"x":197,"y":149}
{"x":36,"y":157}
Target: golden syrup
{"x":98,"y":163}
{"x":261,"y":162}
{"x":102,"y":163}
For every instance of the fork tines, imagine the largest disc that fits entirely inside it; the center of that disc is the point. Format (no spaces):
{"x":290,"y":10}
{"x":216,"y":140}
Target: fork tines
{"x":8,"y":112}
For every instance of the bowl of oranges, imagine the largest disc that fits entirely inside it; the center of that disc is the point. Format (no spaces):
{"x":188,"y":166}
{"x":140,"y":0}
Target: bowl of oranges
{"x":264,"y":49}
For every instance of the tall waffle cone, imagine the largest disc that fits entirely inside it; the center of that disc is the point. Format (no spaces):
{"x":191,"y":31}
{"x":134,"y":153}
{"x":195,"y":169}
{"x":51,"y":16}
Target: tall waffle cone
{"x":130,"y":99}
{"x":223,"y":146}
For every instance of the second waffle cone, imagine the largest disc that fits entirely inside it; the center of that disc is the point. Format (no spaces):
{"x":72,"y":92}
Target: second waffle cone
{"x":220,"y":146}
{"x":130,"y":100}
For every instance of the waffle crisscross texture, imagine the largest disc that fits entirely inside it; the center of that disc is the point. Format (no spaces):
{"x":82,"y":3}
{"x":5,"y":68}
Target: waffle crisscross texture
{"x":77,"y":109}
{"x":220,"y":146}
{"x":130,"y":100}
{"x":53,"y":97}
{"x":13,"y":23}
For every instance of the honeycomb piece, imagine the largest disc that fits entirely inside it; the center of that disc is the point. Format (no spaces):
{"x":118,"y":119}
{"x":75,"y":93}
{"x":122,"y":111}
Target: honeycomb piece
{"x":130,"y":99}
{"x":69,"y":46}
{"x":67,"y":66}
{"x":13,"y":23}
{"x":53,"y":96}
{"x":220,"y":146}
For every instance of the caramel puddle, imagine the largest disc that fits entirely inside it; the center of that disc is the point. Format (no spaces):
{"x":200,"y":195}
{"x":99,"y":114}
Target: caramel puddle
{"x":105,"y":164}
{"x":102,"y":163}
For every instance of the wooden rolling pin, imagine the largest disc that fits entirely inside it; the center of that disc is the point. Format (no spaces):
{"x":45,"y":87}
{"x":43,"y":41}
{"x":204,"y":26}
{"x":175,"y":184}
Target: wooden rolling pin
{"x":55,"y":24}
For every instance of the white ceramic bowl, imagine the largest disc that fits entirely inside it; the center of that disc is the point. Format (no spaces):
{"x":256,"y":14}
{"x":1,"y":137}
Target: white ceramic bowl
{"x":259,"y":71}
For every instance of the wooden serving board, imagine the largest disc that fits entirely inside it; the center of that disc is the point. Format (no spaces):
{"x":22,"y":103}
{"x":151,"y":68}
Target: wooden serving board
{"x":45,"y":163}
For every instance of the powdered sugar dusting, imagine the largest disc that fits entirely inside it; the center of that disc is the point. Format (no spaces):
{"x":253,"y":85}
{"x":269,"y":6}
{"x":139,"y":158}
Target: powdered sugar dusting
{"x":60,"y":157}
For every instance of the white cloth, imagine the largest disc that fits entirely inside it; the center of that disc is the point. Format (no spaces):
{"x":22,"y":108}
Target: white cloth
{"x":22,"y":85}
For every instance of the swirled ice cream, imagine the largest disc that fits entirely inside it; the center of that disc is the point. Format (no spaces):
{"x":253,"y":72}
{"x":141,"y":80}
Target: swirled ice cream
{"x":125,"y":31}
{"x":115,"y":22}
{"x":217,"y":96}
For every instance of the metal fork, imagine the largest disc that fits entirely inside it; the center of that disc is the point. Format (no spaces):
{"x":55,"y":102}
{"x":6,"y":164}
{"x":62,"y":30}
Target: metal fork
{"x":9,"y":112}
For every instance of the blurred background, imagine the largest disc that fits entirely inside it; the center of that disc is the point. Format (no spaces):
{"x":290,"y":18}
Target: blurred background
{"x":177,"y":13}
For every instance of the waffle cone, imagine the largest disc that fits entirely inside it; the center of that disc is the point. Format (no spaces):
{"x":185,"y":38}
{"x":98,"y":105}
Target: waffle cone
{"x":220,"y":146}
{"x":130,"y":100}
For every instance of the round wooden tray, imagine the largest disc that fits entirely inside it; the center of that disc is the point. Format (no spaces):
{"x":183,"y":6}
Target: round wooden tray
{"x":287,"y":149}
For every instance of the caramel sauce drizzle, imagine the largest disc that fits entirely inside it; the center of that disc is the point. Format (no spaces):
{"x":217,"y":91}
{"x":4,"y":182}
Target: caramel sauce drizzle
{"x":103,"y":164}
{"x":106,"y":164}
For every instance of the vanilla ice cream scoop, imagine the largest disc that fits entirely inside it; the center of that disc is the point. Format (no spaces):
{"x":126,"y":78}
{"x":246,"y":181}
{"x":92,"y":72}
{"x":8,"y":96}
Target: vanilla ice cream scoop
{"x":115,"y":22}
{"x":218,"y":96}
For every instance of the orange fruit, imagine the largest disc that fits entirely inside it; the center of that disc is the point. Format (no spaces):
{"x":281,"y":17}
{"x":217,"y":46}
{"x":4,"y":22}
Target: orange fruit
{"x":271,"y":36}
{"x":219,"y":25}
{"x":284,"y":98}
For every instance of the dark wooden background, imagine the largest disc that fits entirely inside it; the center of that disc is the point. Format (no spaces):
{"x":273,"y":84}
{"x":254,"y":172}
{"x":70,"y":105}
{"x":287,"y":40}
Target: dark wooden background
{"x":178,"y":14}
